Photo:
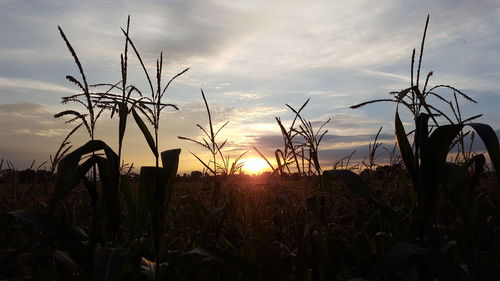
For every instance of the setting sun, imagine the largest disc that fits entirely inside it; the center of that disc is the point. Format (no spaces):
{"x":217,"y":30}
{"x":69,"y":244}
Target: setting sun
{"x":254,"y":165}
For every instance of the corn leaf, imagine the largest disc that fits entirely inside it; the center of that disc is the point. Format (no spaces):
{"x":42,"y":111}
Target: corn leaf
{"x":145,"y":195}
{"x":122,"y":115}
{"x":109,"y":264}
{"x":404,"y":255}
{"x":145,"y":132}
{"x":129,"y":198}
{"x":442,"y":138}
{"x":71,"y":237}
{"x":432,"y":167}
{"x":490,"y":140}
{"x":357,"y":184}
{"x":170,"y":161}
{"x":70,"y":173}
{"x":109,"y":175}
{"x":406,"y":151}
{"x":218,"y":255}
{"x":422,"y":131}
{"x":459,"y":186}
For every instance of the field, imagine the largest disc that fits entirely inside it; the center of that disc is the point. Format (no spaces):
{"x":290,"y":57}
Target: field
{"x":262,"y":229}
{"x":431,"y":214}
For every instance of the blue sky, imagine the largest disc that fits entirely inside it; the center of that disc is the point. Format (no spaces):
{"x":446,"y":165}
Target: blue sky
{"x":250,"y":58}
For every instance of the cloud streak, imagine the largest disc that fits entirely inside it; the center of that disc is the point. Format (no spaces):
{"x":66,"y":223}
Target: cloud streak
{"x":34,"y":85}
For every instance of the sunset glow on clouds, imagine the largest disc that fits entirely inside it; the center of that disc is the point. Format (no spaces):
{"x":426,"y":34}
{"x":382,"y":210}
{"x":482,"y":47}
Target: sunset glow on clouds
{"x":251,"y":58}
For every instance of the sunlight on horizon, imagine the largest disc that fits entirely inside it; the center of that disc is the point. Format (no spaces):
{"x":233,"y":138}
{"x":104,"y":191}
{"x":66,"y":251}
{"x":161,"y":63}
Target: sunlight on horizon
{"x":254,"y":165}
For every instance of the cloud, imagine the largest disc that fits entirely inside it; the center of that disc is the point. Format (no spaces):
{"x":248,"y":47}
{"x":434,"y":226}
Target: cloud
{"x":188,"y":29}
{"x":34,"y":85}
{"x":244,"y":95}
{"x":28,"y":119}
{"x":29,"y":132}
{"x":183,"y":29}
{"x":334,"y":147}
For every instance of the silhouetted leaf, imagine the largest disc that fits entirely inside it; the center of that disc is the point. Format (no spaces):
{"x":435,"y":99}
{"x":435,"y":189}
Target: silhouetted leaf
{"x":109,"y":175}
{"x":70,"y":237}
{"x":422,"y":131}
{"x":170,"y":161}
{"x":405,"y":149}
{"x":357,"y":184}
{"x":145,"y":132}
{"x":459,"y":187}
{"x":145,"y":195}
{"x":490,"y":140}
{"x":129,"y":198}
{"x":429,"y":263}
{"x":109,"y":264}
{"x":122,"y":115}
{"x":70,"y":173}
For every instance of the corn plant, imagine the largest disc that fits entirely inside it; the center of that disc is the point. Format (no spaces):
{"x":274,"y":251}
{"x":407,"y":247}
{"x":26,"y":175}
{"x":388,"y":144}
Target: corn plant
{"x":88,"y":120}
{"x":429,"y":173}
{"x":164,"y":178}
{"x":416,"y":99}
{"x":103,"y":163}
{"x":150,"y":107}
{"x":425,"y":158}
{"x":209,"y":142}
{"x":369,"y":160}
{"x":312,"y":141}
{"x":343,"y":163}
{"x":297,"y":140}
{"x":289,"y":154}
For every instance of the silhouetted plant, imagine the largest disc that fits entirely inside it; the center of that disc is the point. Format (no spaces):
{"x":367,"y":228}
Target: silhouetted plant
{"x":312,"y":141}
{"x":369,"y":162}
{"x":157,"y":182}
{"x":297,"y":140}
{"x":209,"y":142}
{"x":425,"y":162}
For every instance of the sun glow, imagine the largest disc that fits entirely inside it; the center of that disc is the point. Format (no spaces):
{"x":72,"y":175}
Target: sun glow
{"x":254,"y":165}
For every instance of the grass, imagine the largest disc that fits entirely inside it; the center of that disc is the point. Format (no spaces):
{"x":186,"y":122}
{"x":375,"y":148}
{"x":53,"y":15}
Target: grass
{"x":420,"y":218}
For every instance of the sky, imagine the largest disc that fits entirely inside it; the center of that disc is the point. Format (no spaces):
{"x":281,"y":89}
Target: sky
{"x":251,"y":58}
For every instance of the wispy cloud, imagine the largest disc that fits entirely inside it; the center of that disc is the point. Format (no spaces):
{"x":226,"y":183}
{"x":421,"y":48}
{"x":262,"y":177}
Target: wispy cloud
{"x":385,"y":74}
{"x":244,"y":95}
{"x":34,"y":85}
